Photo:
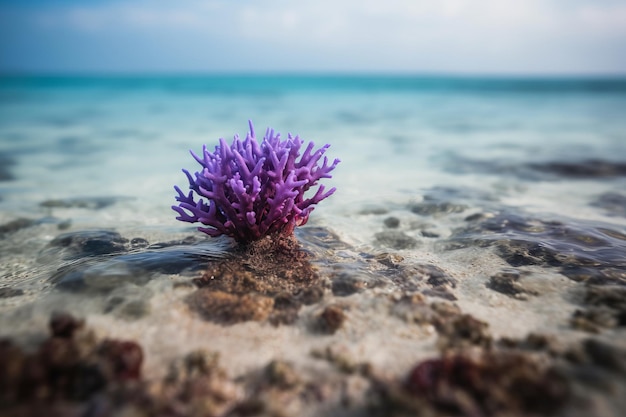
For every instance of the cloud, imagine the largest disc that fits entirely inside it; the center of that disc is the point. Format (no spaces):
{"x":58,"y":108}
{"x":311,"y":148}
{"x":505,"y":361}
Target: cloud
{"x":135,"y":15}
{"x":448,"y":35}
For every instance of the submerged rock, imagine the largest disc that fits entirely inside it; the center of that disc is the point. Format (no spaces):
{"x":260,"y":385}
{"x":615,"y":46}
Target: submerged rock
{"x":330,"y":319}
{"x":392,"y":222}
{"x":8,"y":292}
{"x":605,"y":307}
{"x":395,"y":239}
{"x":582,"y":250}
{"x":584,"y":169}
{"x":15,"y":225}
{"x":80,"y":244}
{"x":540,"y":171}
{"x":613,"y":203}
{"x":492,"y":384}
{"x":71,"y":366}
{"x":437,"y":208}
{"x":107,"y":262}
{"x":91,"y":203}
{"x":508,"y":282}
{"x":345,"y":284}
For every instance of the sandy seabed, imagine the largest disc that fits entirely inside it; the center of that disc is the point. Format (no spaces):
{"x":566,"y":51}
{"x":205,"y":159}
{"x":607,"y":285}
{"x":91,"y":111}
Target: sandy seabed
{"x":457,"y":306}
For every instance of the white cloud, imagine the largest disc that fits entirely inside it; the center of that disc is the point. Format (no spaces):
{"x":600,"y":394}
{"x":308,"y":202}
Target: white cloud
{"x":348,"y":19}
{"x":135,"y":15}
{"x":412,"y":34}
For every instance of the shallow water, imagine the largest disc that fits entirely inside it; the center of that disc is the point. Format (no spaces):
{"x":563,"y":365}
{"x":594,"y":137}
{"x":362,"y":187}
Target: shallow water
{"x":491,"y":191}
{"x":87,"y":153}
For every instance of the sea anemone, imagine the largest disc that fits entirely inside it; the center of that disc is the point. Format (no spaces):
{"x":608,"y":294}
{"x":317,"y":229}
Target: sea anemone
{"x":254,"y":190}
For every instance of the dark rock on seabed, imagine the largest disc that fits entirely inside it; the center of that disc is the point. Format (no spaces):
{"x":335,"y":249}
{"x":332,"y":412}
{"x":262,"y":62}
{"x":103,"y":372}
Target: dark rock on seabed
{"x":91,"y":203}
{"x":70,"y":367}
{"x":8,"y":292}
{"x":591,"y":253}
{"x":613,"y":203}
{"x":15,"y":225}
{"x":81,"y":244}
{"x":392,"y":222}
{"x":395,"y":239}
{"x":508,"y":282}
{"x":584,"y":169}
{"x":101,"y":261}
{"x":73,"y":373}
{"x":330,"y":319}
{"x":489,"y":384}
{"x":581,"y":250}
{"x":604,"y":308}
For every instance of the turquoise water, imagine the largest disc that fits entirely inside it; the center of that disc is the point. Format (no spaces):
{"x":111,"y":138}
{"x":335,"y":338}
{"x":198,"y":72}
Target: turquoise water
{"x":505,"y":197}
{"x":127,"y":137}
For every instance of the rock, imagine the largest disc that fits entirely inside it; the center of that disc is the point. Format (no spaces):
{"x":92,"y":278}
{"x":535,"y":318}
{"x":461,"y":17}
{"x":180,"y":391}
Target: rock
{"x":15,"y":225}
{"x":392,"y":222}
{"x":585,"y":169}
{"x":434,"y":208}
{"x":390,"y":260}
{"x":374,"y":210}
{"x":330,"y":319}
{"x":581,"y":250}
{"x":82,"y":244}
{"x":462,"y":331}
{"x":8,"y":292}
{"x":395,"y":240}
{"x":346,"y":284}
{"x":613,"y":203}
{"x":103,"y":274}
{"x":594,"y":319}
{"x":282,"y":374}
{"x":139,"y":243}
{"x":493,"y":384}
{"x":605,"y":308}
{"x":64,"y":325}
{"x":91,"y":203}
{"x":70,"y":366}
{"x":540,"y":171}
{"x":122,"y":360}
{"x":507,"y":282}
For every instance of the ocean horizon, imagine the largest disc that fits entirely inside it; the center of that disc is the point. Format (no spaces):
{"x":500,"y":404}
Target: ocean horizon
{"x":332,"y":80}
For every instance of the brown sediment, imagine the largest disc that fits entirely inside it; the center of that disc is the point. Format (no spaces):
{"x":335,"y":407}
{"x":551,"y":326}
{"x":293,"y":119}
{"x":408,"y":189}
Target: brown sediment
{"x":226,"y":308}
{"x":455,"y":329}
{"x":488,"y":384}
{"x":605,"y":307}
{"x":330,"y":319}
{"x":74,"y":373}
{"x":267,"y":279}
{"x":508,"y":282}
{"x":71,"y":366}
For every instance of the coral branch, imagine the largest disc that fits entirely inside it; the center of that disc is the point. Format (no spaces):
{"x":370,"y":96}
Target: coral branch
{"x":248,"y":190}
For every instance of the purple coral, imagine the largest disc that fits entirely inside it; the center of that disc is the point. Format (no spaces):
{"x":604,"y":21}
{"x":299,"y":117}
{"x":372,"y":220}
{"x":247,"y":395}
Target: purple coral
{"x":254,"y":190}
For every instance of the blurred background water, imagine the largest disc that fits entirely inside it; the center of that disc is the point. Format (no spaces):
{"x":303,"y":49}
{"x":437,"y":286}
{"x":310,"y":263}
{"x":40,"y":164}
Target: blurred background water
{"x":104,"y":99}
{"x":127,"y":137}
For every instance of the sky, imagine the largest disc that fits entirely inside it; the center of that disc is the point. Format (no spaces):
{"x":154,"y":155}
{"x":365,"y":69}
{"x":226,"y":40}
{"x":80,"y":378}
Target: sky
{"x":511,"y":37}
